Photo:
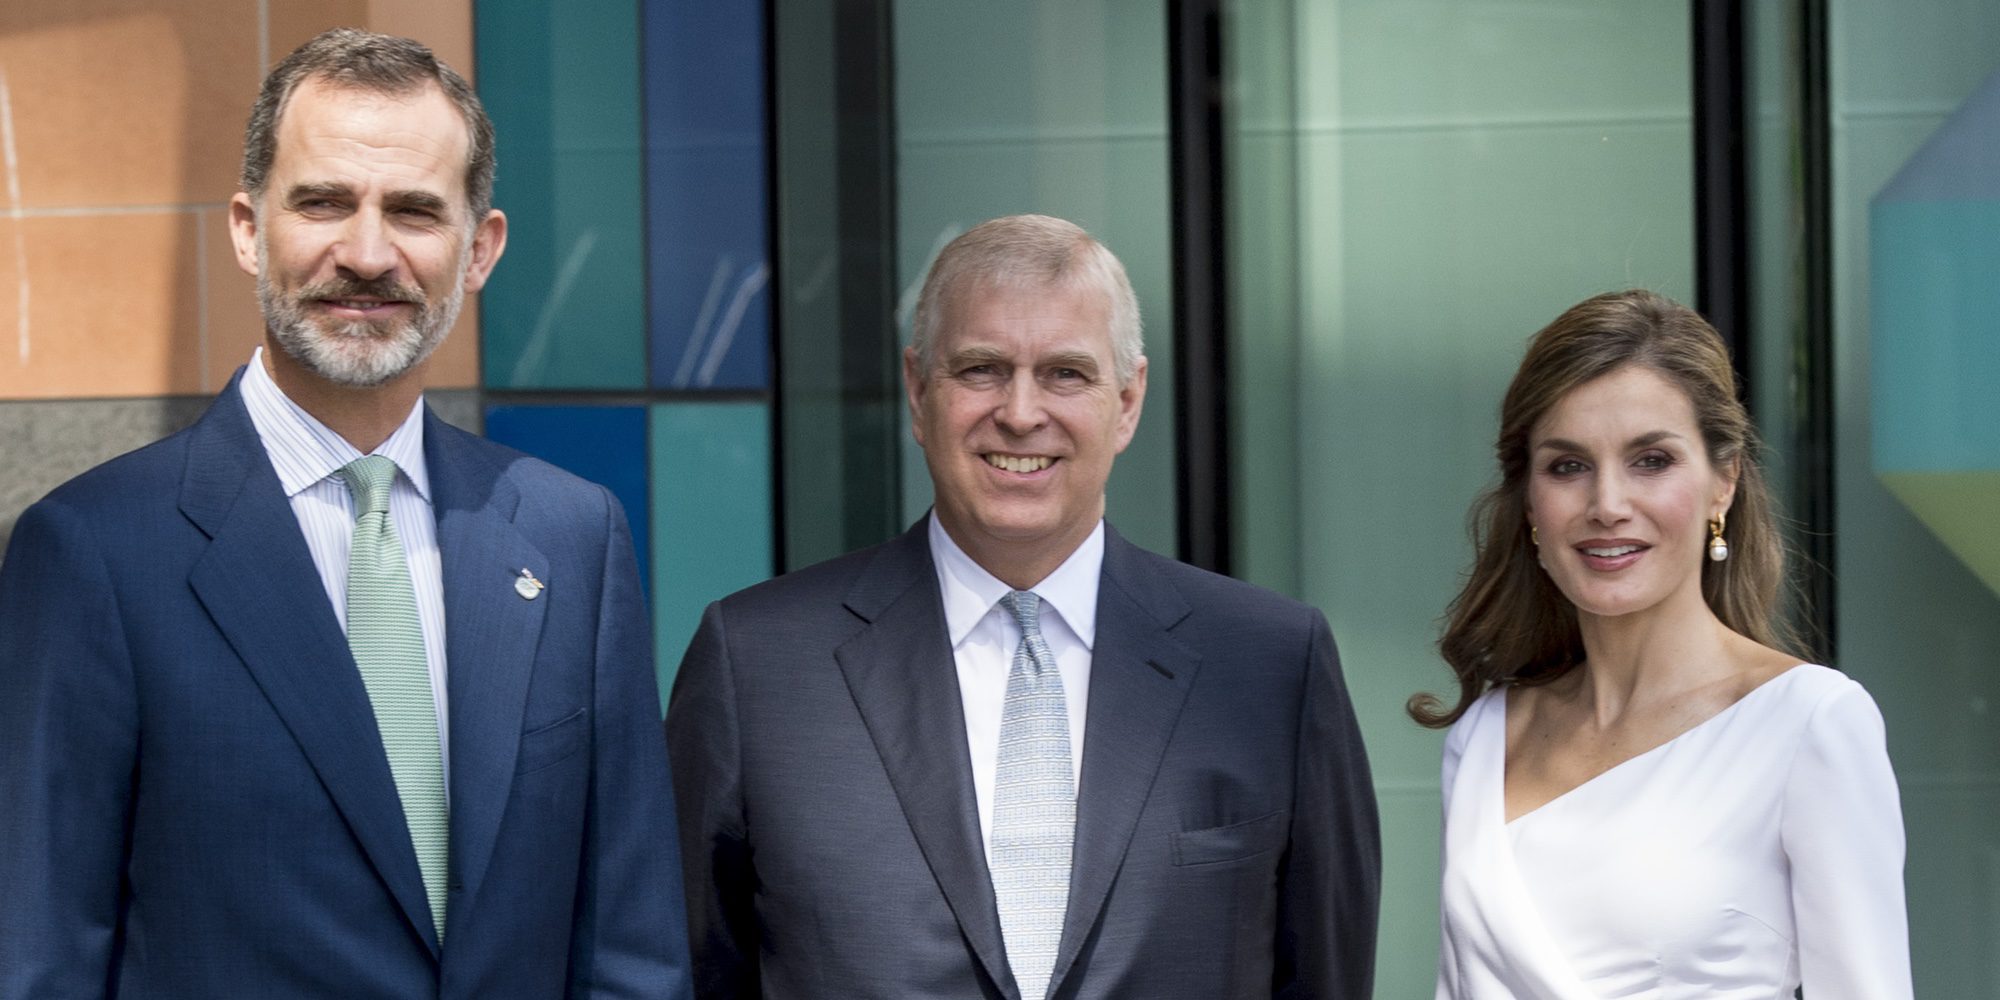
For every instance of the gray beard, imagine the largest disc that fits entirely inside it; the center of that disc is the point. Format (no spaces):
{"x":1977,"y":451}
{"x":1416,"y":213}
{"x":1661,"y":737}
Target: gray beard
{"x":358,"y":354}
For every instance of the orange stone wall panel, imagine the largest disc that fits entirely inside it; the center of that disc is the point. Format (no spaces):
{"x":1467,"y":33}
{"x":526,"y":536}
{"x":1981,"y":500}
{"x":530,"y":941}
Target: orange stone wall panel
{"x":105,"y":313}
{"x":123,"y":122}
{"x":127,"y":103}
{"x":235,"y":327}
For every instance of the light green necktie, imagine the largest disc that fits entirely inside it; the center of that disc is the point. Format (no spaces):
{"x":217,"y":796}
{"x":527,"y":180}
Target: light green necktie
{"x":388,"y":643}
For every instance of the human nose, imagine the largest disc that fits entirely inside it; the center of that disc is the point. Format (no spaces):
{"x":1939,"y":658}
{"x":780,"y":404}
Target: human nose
{"x":1610,"y":499}
{"x":367,"y":249}
{"x":1021,"y":410}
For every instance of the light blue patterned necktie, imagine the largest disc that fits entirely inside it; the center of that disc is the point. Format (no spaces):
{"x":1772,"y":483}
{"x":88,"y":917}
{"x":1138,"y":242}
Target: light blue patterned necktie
{"x":387,"y":639}
{"x":1034,"y":805}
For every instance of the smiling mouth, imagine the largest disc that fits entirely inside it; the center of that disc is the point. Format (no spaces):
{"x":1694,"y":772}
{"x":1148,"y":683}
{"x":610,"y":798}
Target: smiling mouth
{"x":1613,"y":552}
{"x":1018,"y":463}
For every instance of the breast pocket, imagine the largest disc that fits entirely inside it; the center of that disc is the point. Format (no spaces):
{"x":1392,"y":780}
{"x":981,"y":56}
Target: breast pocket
{"x":1235,"y":842}
{"x":552,"y":743}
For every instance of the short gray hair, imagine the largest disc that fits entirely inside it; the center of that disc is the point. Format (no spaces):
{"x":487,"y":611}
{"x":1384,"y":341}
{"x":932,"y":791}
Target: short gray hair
{"x":1029,"y":251}
{"x":371,"y":63}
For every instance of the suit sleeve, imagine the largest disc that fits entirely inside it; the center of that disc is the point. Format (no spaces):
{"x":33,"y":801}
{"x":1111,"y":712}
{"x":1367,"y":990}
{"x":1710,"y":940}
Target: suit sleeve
{"x":1843,"y":834}
{"x":1330,"y":884}
{"x":715,"y":845}
{"x":629,"y":939}
{"x":68,"y":743}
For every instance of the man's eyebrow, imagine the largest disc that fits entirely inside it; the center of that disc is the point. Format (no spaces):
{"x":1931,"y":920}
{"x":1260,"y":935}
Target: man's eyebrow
{"x":1642,"y":441}
{"x":319,"y":189}
{"x":1069,"y":359}
{"x":975,"y":356}
{"x":413,"y":198}
{"x":424,"y":200}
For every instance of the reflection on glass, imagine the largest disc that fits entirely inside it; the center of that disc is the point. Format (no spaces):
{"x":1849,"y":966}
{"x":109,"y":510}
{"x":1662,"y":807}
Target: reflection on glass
{"x":1456,"y":175}
{"x":1057,"y":107}
{"x":1916,"y":625}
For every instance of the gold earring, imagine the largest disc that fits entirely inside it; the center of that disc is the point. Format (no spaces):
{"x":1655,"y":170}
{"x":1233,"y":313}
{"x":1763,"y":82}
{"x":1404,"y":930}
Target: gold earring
{"x":1718,"y":549}
{"x":1535,"y":536}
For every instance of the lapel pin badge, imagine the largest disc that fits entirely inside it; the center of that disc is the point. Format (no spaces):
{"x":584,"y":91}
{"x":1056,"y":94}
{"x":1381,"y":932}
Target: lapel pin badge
{"x":527,"y":586}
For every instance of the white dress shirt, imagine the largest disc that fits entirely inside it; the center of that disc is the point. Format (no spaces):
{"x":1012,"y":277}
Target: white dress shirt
{"x":308,"y":457}
{"x":984,"y":636}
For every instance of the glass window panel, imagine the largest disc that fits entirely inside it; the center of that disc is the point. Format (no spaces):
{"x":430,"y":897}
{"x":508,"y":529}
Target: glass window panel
{"x":1057,"y":107}
{"x":706,"y":195}
{"x":711,"y":473}
{"x":1915,"y":624}
{"x":1456,"y":175}
{"x":566,"y":307}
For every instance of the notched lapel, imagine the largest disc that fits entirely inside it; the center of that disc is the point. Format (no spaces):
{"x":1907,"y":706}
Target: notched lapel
{"x":901,"y":674}
{"x":1140,"y":676}
{"x":491,"y":634}
{"x":258,"y":582}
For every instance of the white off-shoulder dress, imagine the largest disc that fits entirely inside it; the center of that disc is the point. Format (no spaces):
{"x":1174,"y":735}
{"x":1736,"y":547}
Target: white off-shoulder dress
{"x":1760,"y":849}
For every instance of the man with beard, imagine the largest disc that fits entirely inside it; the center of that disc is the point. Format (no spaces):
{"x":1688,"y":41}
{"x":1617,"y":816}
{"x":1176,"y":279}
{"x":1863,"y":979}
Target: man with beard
{"x":322,"y":696}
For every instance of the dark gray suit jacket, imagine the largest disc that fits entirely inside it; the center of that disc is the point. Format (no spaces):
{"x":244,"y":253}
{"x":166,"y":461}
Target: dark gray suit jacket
{"x":1226,"y":841}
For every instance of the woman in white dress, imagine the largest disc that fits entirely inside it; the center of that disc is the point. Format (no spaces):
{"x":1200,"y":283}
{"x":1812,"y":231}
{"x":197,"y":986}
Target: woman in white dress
{"x":1645,"y":793}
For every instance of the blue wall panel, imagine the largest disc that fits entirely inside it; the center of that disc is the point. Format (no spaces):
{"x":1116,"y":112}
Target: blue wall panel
{"x":604,"y":444}
{"x":708,"y":267}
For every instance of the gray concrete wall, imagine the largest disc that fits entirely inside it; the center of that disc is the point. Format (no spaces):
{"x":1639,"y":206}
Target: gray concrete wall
{"x":44,"y":443}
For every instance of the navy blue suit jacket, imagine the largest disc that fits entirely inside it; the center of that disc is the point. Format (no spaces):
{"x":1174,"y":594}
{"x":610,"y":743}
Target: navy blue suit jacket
{"x":1226,"y":837}
{"x":194,"y":799}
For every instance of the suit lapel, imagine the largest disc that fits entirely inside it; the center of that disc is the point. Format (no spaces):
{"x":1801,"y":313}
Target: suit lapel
{"x":1139,"y":679}
{"x":258,"y":582}
{"x":900,"y":671}
{"x":491,"y":634}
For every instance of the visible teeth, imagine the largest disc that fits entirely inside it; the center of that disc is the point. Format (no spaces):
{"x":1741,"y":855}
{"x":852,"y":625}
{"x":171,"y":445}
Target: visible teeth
{"x":1612,"y":553}
{"x":1016,"y":464}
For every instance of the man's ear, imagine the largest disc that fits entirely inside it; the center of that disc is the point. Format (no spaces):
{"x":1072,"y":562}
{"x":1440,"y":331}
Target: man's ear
{"x":913,"y":390}
{"x":1131,"y":400}
{"x":243,"y":232}
{"x":489,"y":241}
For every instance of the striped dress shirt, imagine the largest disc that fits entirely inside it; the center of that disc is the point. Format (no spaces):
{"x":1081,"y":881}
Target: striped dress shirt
{"x":308,"y":456}
{"x":983,"y":638}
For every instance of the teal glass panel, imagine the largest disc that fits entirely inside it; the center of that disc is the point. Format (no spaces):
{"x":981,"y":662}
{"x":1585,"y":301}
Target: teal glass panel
{"x":712,"y":519}
{"x":566,"y":309}
{"x":1936,"y":374}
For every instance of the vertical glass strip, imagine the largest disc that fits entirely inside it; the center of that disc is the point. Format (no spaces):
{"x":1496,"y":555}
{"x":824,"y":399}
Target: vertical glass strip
{"x":566,"y":308}
{"x":706,"y":196}
{"x":1425,"y":188}
{"x":835,"y":201}
{"x":711,"y":469}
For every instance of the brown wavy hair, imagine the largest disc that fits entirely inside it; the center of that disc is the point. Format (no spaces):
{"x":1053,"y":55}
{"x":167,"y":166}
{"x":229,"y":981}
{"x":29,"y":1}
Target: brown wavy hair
{"x":1510,"y":624}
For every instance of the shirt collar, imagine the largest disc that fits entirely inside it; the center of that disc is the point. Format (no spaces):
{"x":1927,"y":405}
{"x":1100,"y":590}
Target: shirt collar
{"x":305,"y":451}
{"x":970,"y":592}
